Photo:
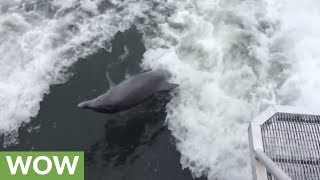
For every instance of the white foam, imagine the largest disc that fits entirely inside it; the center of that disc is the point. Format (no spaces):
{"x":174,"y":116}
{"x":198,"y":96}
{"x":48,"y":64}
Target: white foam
{"x":232,"y":59}
{"x":40,"y":40}
{"x":299,"y":22}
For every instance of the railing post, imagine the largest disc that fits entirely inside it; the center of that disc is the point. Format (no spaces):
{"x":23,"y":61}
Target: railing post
{"x":272,"y":167}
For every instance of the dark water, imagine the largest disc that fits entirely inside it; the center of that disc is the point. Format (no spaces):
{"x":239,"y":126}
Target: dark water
{"x":131,"y":145}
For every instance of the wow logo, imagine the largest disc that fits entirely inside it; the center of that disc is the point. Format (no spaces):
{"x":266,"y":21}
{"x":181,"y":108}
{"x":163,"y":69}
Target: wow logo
{"x":41,"y":165}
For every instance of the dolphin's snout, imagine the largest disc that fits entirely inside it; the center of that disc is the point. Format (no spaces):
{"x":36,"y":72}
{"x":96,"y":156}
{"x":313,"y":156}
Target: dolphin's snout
{"x":83,"y":105}
{"x":80,"y":105}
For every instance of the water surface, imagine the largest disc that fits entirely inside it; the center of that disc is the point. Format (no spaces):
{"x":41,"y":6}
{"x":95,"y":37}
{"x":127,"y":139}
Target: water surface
{"x":134,"y":144}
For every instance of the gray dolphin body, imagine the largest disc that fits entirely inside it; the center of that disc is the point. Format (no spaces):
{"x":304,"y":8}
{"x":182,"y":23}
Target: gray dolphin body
{"x":130,"y":92}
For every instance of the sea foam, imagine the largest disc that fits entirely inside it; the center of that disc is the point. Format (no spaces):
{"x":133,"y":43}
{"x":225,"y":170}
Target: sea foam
{"x":231,"y":58}
{"x":40,"y":40}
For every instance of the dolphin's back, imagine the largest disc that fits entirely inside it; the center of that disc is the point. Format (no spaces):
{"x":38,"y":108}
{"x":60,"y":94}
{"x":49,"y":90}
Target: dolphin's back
{"x":137,"y":88}
{"x":133,"y":90}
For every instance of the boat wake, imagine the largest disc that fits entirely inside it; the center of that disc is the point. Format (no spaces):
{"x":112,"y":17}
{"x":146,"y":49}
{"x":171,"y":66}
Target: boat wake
{"x":231,"y":58}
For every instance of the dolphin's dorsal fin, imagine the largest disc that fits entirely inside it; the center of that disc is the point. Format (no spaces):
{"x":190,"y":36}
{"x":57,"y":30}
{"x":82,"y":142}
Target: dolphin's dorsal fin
{"x":166,"y":86}
{"x":111,"y":83}
{"x":127,"y":74}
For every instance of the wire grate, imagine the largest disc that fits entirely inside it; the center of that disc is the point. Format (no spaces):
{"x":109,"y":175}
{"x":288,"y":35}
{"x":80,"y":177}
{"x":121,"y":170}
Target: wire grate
{"x":292,"y":141}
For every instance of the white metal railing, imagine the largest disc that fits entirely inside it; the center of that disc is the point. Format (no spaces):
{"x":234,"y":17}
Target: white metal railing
{"x":285,"y":144}
{"x":272,"y":167}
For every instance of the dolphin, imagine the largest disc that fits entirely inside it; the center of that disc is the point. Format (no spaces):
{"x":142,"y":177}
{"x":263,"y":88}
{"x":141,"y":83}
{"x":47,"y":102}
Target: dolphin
{"x":130,"y":92}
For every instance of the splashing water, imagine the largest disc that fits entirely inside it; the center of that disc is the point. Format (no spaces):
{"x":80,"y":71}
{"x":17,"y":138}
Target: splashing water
{"x":41,"y":39}
{"x":232,"y":59}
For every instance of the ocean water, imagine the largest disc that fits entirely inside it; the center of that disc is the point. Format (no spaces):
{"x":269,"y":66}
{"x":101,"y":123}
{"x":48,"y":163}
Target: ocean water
{"x":130,"y":145}
{"x":231,"y":58}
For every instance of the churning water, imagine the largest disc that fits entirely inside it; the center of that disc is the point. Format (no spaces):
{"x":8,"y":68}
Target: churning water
{"x":232,"y":58}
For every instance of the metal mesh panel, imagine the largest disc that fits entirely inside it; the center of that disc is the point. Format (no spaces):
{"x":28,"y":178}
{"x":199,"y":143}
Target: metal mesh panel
{"x":292,"y":141}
